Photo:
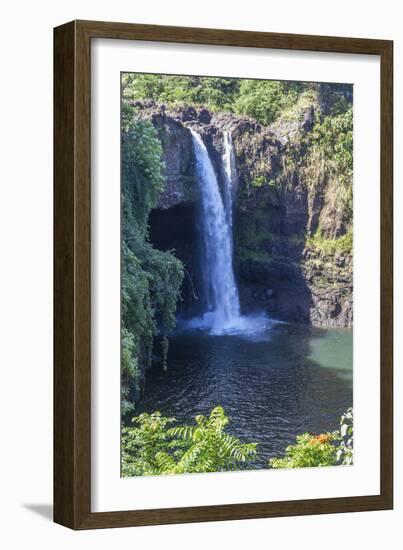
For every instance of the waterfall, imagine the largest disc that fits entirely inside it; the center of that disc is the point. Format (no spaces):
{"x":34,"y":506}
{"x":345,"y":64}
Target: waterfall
{"x":230,"y":177}
{"x":216,"y":220}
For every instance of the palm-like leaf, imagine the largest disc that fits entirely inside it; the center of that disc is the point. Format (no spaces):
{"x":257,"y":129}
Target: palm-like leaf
{"x":154,"y":448}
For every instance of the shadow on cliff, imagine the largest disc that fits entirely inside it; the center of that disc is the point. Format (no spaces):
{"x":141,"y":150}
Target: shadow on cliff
{"x":277,"y":285}
{"x":176,"y":229}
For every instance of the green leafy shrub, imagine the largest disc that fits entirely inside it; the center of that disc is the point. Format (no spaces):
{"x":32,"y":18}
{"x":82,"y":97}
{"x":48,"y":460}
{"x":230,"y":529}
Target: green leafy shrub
{"x":150,"y":279}
{"x":259,"y":181}
{"x":265,"y":100}
{"x":155,"y":448}
{"x":141,"y":444}
{"x":328,"y":449}
{"x":341,"y":245}
{"x":214,"y":93}
{"x":308,"y":451}
{"x":142,"y":174}
{"x":334,"y":136}
{"x":345,"y":451}
{"x":322,"y":158}
{"x":129,"y":369}
{"x":333,"y":139}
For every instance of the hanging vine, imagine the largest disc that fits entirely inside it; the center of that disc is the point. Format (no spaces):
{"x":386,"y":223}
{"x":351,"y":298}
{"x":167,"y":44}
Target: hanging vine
{"x":151,"y":279}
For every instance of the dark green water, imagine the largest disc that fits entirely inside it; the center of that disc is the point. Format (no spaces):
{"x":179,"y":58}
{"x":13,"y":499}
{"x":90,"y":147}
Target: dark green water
{"x":289,"y":380}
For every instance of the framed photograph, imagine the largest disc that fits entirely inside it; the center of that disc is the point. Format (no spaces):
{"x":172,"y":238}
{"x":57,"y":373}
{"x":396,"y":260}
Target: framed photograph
{"x":222,"y":275}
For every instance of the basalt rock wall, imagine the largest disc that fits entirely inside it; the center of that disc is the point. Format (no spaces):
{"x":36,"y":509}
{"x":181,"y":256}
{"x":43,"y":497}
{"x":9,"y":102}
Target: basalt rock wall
{"x":280,"y":204}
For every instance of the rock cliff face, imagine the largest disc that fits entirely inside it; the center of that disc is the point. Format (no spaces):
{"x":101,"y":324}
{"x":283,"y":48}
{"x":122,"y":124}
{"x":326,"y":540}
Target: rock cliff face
{"x":279,"y":206}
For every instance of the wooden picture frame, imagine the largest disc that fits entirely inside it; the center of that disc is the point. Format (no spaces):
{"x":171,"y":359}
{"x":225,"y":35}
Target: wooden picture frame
{"x":72,"y":269}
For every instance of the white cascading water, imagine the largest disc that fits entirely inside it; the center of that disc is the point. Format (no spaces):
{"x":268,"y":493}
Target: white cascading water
{"x":224,"y":309}
{"x":229,"y":163}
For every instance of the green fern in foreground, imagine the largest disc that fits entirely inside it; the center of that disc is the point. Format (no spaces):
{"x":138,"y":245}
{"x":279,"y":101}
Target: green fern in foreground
{"x":153,"y":448}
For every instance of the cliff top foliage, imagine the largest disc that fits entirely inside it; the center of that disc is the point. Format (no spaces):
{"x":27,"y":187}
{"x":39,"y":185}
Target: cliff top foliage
{"x":315,"y":119}
{"x":263,"y":100}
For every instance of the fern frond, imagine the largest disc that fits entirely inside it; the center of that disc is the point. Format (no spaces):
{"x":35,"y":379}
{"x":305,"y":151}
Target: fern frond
{"x":165,"y":463}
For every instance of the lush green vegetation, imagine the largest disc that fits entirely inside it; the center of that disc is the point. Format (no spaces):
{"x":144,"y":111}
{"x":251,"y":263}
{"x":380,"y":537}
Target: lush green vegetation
{"x":263,"y":100}
{"x":329,"y":449}
{"x":345,"y":451}
{"x":260,"y":181}
{"x":330,"y":247}
{"x":334,"y":137}
{"x":308,"y":451}
{"x":151,"y":279}
{"x":324,"y":152}
{"x":215,"y":93}
{"x":155,"y":447}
